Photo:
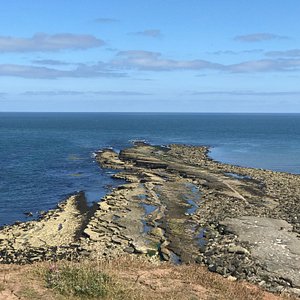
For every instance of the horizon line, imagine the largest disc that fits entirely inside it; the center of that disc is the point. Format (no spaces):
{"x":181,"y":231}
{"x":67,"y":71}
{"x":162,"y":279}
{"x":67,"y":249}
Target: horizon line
{"x":147,"y":112}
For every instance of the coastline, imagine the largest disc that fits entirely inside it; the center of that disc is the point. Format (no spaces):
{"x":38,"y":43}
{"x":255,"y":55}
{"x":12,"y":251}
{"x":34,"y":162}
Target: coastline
{"x":219,"y":161}
{"x":178,"y":205}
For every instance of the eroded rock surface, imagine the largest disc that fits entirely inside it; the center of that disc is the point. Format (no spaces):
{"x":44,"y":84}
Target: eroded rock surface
{"x":272,"y":242}
{"x":181,"y":206}
{"x":51,"y":237}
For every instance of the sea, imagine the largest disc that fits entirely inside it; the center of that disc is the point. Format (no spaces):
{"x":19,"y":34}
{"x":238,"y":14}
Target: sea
{"x":44,"y":157}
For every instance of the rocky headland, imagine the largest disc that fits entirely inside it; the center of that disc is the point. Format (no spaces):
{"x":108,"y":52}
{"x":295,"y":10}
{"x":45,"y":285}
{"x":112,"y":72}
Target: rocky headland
{"x":177,"y":205}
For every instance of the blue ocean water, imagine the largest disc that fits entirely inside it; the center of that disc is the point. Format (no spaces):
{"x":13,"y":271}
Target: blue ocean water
{"x":46,"y":156}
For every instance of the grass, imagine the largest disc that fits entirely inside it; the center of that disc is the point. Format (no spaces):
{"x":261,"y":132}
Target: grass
{"x":130,"y":278}
{"x":83,"y":282}
{"x":29,"y":293}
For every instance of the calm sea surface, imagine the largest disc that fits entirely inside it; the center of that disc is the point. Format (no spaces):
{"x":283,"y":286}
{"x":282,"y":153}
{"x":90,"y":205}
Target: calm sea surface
{"x":46,"y":156}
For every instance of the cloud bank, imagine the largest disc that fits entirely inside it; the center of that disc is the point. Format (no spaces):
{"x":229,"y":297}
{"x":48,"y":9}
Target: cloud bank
{"x":153,"y":61}
{"x":82,"y":71}
{"x":42,"y":42}
{"x":50,"y":62}
{"x":265,"y":65}
{"x":231,"y":52}
{"x":138,"y":60}
{"x":286,"y":53}
{"x":258,"y":37}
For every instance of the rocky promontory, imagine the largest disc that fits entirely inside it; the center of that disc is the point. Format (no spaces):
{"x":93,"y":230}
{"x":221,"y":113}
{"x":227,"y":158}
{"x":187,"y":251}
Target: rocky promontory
{"x":177,"y":205}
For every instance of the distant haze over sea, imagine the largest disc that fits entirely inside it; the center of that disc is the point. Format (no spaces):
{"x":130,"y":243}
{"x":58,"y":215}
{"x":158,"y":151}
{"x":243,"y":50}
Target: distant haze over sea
{"x":45,"y":156}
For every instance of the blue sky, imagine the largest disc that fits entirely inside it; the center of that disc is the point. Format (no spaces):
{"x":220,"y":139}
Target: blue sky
{"x":158,"y":56}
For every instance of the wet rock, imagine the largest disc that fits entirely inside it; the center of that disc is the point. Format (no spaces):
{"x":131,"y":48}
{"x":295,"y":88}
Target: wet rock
{"x":28,"y":214}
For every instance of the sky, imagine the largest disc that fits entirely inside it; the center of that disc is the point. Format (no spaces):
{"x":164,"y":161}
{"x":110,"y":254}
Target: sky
{"x":150,"y":56}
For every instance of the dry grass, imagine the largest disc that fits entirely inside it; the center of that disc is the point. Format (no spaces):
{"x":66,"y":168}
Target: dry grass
{"x":84,"y":280}
{"x":123,"y":278}
{"x":77,"y":281}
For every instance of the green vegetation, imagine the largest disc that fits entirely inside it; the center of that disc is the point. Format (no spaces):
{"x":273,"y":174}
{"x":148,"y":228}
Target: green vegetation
{"x":130,"y":278}
{"x":83,"y":281}
{"x":29,"y":293}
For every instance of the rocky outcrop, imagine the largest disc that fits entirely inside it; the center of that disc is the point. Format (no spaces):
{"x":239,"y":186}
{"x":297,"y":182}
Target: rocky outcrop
{"x":53,"y":236}
{"x":272,"y":242}
{"x":181,"y":206}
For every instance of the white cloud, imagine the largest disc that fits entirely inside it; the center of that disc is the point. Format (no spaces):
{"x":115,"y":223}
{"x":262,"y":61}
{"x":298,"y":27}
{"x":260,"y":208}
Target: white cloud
{"x":105,"y":20}
{"x":53,"y":93}
{"x":154,"y":33}
{"x":139,"y":60}
{"x":265,"y":65}
{"x":50,"y":62}
{"x":25,"y":71}
{"x":246,"y":93}
{"x":259,"y":37}
{"x":153,"y":61}
{"x":120,"y":93}
{"x":82,"y":71}
{"x":286,"y":53}
{"x":42,"y":42}
{"x":80,"y":93}
{"x":232,"y":52}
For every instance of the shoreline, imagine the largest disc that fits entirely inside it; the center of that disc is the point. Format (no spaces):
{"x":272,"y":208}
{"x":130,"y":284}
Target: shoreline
{"x":177,"y":205}
{"x":241,"y":166}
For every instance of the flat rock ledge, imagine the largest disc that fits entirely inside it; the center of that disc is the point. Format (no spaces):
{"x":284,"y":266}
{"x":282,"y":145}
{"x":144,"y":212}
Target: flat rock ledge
{"x":272,"y":242}
{"x":177,"y":205}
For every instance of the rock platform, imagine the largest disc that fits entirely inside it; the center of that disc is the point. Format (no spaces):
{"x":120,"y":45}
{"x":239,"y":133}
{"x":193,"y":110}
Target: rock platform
{"x":178,"y":205}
